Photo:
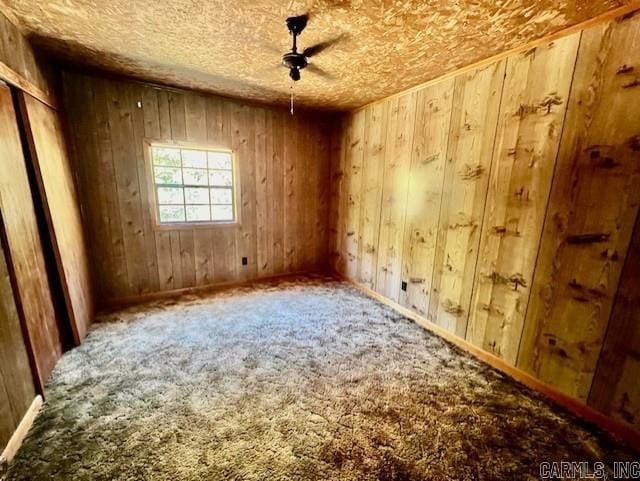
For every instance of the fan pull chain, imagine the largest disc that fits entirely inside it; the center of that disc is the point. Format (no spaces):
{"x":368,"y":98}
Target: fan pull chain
{"x":292,"y":97}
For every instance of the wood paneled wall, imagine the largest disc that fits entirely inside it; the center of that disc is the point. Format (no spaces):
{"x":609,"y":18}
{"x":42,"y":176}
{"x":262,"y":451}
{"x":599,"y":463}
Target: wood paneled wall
{"x":283,"y":164}
{"x":20,"y":63}
{"x":500,"y":205}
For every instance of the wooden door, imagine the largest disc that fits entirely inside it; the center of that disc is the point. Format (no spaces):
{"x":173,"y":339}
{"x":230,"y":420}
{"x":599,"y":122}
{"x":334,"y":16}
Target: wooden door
{"x":17,"y":389}
{"x":25,"y":246}
{"x":60,"y":204}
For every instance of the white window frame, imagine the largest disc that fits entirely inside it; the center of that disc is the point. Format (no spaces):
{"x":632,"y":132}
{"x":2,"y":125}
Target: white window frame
{"x":149,"y":144}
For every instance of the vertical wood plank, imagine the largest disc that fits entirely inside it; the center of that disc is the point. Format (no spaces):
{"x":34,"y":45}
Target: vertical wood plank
{"x":120,"y":112}
{"x":354,"y":153}
{"x":262,"y":201}
{"x":476,"y":103}
{"x":394,"y":194}
{"x":103,"y":179}
{"x":77,"y":92}
{"x":615,"y":389}
{"x":150,"y":260}
{"x":532,"y":113}
{"x":320,"y":175}
{"x":593,"y":206}
{"x":275,"y":154}
{"x":336,"y":204}
{"x":243,"y":142}
{"x":376,"y":118}
{"x":431,"y":133}
{"x":290,"y":197}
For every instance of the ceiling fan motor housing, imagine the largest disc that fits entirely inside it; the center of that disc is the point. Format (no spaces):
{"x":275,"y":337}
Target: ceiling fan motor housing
{"x":295,"y":62}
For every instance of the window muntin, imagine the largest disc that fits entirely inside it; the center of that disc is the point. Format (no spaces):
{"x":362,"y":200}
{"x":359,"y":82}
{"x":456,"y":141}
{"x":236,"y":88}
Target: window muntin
{"x":193,"y":186}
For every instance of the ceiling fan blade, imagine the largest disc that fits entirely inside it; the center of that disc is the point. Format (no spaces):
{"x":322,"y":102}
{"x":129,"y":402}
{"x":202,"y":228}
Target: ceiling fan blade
{"x":320,"y":47}
{"x":320,"y":72}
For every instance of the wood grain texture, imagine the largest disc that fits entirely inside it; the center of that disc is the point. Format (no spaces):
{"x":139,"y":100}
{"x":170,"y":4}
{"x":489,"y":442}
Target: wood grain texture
{"x":539,"y":196}
{"x":384,"y":47}
{"x":592,"y":210}
{"x":16,"y":381}
{"x":428,"y":159}
{"x":353,"y":159}
{"x":536,"y":89}
{"x":376,"y":120}
{"x":24,"y":244}
{"x":22,"y":66}
{"x":336,"y":196}
{"x":615,"y":389}
{"x":282,"y":164}
{"x":58,"y":192}
{"x":397,"y":164}
{"x":476,"y":104}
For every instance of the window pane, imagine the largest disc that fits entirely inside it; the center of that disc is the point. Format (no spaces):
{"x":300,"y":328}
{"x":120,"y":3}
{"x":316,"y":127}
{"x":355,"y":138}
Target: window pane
{"x":171,"y":213}
{"x":166,"y":156}
{"x":198,"y":213}
{"x":196,"y":195}
{"x":220,"y":160}
{"x":220,"y":178}
{"x":167,"y":175}
{"x":170,"y":195}
{"x":221,"y":196}
{"x":221,"y":212}
{"x":195,"y":176}
{"x":194,"y":158}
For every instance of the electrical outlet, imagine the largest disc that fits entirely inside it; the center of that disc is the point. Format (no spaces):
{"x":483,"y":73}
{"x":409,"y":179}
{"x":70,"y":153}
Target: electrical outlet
{"x":245,"y":261}
{"x":403,"y":286}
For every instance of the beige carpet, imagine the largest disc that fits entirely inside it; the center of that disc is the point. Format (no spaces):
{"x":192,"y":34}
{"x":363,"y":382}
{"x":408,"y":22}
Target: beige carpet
{"x":305,"y":380}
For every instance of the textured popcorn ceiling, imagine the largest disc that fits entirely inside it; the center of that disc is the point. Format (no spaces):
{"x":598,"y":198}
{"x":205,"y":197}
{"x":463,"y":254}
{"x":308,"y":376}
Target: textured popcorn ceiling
{"x":233,"y":47}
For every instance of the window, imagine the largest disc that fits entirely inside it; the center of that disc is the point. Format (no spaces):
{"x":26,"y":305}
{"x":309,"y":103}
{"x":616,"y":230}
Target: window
{"x":193,"y":185}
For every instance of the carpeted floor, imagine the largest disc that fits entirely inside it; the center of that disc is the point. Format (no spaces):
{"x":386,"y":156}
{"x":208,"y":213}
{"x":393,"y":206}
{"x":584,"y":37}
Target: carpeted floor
{"x":304,"y":380}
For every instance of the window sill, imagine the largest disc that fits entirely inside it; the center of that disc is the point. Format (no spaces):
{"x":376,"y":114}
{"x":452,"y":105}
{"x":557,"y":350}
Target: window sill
{"x":196,"y":225}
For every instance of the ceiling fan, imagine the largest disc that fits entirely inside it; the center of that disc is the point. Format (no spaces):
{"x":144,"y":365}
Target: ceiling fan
{"x":296,"y":61}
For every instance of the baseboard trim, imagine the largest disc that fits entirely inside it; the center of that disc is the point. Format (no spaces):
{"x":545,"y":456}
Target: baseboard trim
{"x":123,"y":302}
{"x":20,"y":433}
{"x":617,"y":428}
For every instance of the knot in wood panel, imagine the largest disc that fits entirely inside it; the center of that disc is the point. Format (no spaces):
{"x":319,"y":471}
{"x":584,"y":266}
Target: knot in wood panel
{"x":624,"y":69}
{"x":634,"y":83}
{"x":418,"y":237}
{"x":452,"y":308}
{"x":470,"y":172}
{"x":550,"y":101}
{"x":589,"y":238}
{"x":431,"y":158}
{"x":522,"y":194}
{"x":515,"y":280}
{"x":462,"y":225}
{"x":585,"y":293}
